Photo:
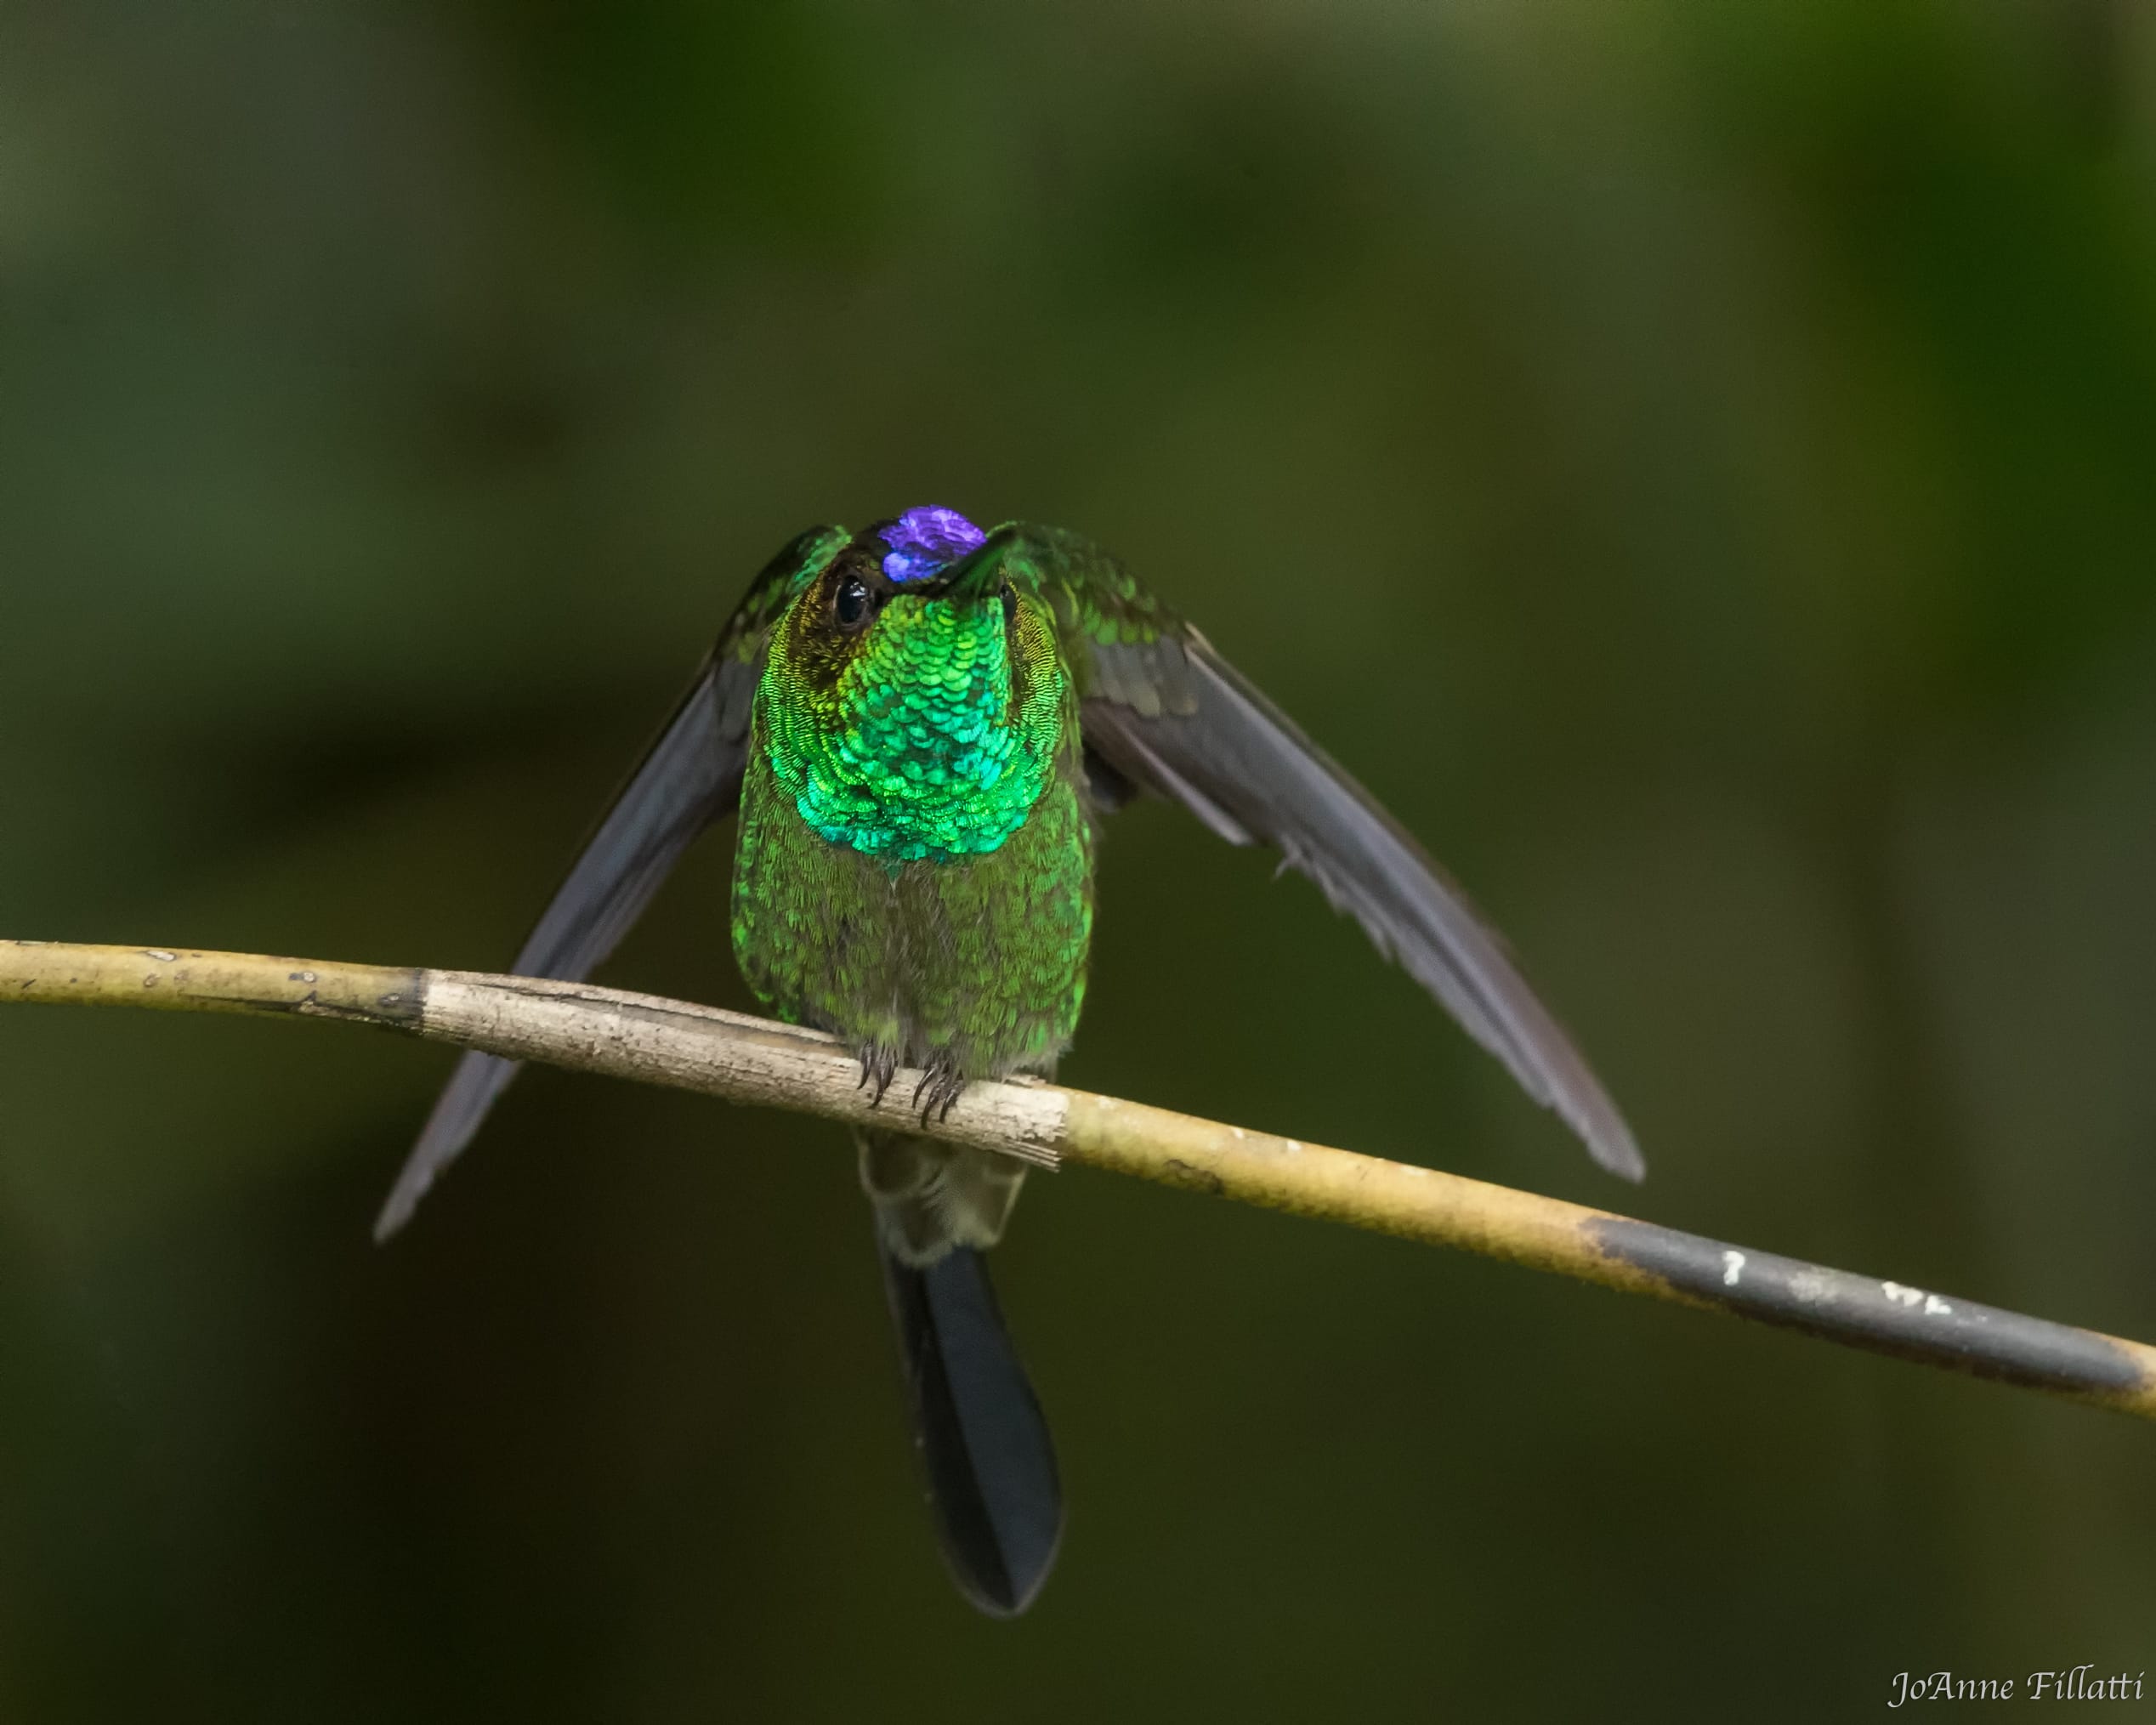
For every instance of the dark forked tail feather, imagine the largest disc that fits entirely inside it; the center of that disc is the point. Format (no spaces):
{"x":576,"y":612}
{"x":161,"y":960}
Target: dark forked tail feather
{"x":991,"y":1467}
{"x":983,"y":1444}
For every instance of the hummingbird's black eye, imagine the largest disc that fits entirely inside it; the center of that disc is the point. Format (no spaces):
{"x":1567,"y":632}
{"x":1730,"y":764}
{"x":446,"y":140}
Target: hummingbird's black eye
{"x":849,"y":604}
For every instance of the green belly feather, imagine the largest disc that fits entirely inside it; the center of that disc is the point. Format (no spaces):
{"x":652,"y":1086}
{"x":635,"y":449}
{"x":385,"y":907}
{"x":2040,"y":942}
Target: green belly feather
{"x":978,"y":958}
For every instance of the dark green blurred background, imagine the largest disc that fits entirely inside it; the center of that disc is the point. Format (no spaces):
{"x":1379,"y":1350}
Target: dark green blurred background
{"x":1697,"y":463}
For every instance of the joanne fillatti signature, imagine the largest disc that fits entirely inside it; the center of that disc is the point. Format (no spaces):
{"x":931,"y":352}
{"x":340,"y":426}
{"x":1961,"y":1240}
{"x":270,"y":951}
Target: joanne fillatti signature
{"x":2077,"y":1683}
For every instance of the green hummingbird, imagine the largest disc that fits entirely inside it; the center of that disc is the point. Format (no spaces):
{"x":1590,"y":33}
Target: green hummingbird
{"x":921,"y":725}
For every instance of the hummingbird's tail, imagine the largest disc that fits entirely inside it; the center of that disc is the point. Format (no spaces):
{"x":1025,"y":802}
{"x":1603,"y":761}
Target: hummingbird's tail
{"x":991,"y":1468}
{"x":930,"y":1196}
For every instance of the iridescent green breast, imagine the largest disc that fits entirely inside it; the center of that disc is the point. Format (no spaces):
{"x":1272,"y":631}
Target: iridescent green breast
{"x":935,"y":740}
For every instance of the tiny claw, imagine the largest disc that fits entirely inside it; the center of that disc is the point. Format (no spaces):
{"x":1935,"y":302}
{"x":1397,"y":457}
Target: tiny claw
{"x":940,"y":1086}
{"x":878,"y":1063}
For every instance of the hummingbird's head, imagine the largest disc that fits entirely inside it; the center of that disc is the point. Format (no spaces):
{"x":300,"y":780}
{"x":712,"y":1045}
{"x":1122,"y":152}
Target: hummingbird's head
{"x":913,"y":702}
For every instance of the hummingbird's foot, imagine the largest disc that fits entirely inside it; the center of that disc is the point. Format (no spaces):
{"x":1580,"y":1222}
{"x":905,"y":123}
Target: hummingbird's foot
{"x":940,"y":1083}
{"x":879,"y":1060}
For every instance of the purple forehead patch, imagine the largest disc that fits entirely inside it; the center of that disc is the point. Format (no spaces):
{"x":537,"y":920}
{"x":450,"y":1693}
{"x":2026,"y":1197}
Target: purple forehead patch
{"x":925,"y":540}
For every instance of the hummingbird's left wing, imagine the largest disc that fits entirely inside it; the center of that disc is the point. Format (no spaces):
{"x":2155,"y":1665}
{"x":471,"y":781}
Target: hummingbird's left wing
{"x":1167,"y":714}
{"x":690,"y":776}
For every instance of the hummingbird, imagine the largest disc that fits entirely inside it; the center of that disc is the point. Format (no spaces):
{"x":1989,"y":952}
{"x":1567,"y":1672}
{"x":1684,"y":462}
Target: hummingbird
{"x":921,"y":727}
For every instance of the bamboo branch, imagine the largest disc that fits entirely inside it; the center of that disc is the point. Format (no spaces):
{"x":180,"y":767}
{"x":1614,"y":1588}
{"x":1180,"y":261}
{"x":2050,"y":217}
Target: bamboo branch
{"x":752,"y":1060}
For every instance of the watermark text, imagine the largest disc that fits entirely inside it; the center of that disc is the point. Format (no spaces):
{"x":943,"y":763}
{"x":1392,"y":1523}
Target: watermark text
{"x":2075,"y":1683}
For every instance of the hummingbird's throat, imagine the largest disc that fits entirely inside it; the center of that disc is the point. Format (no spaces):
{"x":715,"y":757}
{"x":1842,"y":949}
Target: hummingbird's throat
{"x":914,"y":752}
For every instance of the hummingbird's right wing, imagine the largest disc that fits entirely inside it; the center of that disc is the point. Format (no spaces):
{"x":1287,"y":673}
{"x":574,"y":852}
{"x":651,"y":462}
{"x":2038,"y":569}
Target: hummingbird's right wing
{"x":690,"y":777}
{"x":1167,"y":714}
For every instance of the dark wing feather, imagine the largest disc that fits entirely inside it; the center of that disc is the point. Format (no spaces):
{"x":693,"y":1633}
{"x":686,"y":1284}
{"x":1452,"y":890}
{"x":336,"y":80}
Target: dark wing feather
{"x":690,"y":777}
{"x":1167,"y":711}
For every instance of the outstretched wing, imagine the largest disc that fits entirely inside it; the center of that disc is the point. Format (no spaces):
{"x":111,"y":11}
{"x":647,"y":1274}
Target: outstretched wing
{"x":690,"y":776}
{"x":1166,"y":712}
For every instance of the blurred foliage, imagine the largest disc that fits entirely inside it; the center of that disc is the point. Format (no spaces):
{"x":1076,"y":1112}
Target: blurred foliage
{"x":1693,"y":460}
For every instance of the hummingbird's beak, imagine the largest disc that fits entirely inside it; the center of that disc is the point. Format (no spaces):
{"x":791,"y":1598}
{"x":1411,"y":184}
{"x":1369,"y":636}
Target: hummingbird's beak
{"x":980,"y":573}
